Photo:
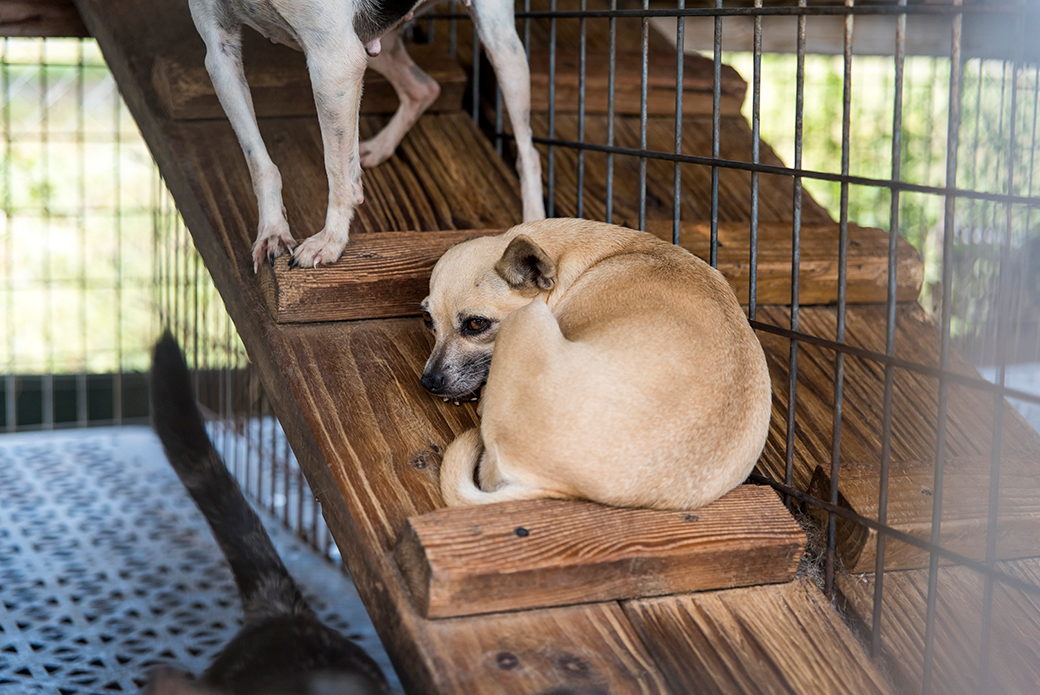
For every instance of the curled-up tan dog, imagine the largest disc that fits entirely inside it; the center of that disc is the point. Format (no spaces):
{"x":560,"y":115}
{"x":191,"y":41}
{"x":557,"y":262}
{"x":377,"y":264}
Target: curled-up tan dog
{"x":624,"y":369}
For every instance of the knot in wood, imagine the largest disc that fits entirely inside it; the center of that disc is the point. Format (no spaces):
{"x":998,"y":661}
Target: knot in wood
{"x":421,"y":460}
{"x":521,"y":532}
{"x":573,"y":665}
{"x":691,"y":517}
{"x":507,"y":661}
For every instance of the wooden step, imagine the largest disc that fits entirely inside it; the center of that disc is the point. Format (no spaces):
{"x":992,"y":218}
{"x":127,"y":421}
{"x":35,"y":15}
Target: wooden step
{"x":915,"y":408}
{"x":785,"y":639}
{"x":379,"y":275}
{"x":388,"y":274}
{"x":969,"y":425}
{"x":280,"y":85}
{"x":1014,"y":639}
{"x":522,"y":555}
{"x":698,"y":81}
{"x":965,"y":509}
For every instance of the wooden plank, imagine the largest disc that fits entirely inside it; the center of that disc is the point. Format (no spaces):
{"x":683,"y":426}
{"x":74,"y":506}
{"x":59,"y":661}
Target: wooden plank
{"x":698,"y":80}
{"x":915,"y":401}
{"x":965,"y":509}
{"x":773,"y":640}
{"x":776,"y":193}
{"x":379,"y":275}
{"x":575,"y":649}
{"x":280,"y":85}
{"x":536,"y":554}
{"x":425,"y":186}
{"x":382,"y":275}
{"x":866,"y":268}
{"x":34,"y":18}
{"x":1014,"y":636}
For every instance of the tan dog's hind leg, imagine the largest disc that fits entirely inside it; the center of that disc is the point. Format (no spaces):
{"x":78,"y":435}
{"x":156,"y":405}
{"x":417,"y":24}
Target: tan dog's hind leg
{"x":457,"y":469}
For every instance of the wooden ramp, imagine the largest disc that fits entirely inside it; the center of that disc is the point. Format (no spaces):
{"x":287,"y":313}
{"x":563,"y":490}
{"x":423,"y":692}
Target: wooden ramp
{"x":368,"y":437}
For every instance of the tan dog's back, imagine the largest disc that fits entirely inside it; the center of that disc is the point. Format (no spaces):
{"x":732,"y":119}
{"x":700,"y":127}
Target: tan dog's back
{"x":635,"y":381}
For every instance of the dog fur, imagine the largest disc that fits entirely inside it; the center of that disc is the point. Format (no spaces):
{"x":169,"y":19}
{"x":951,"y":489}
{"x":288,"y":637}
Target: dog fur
{"x":340,"y":38}
{"x":624,"y":370}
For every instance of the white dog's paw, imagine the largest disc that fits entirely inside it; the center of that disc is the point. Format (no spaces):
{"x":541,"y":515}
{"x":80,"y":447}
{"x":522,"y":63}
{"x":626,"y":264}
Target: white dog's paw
{"x":322,"y":248}
{"x":375,"y":151}
{"x":271,"y":241}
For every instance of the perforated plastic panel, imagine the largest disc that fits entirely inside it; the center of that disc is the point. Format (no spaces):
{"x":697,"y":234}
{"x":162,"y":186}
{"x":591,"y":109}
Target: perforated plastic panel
{"x":107,"y":568}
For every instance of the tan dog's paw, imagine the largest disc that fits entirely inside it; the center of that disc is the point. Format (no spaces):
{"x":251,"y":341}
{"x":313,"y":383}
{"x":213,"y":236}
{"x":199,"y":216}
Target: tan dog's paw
{"x":271,"y":241}
{"x":322,"y":248}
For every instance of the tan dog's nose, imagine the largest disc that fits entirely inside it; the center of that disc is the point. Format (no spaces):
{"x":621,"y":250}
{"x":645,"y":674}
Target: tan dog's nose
{"x":433,"y":382}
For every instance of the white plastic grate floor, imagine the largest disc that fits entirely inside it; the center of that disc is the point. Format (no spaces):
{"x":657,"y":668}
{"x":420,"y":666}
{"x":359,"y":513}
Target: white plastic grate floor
{"x":108,"y":569}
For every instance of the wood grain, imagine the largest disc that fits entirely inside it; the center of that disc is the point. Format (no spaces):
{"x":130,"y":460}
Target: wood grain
{"x":866,"y":269}
{"x":382,"y":275}
{"x":521,"y":555}
{"x":40,"y":18}
{"x":379,"y":275}
{"x":915,"y":403}
{"x":732,"y":642}
{"x":965,"y":509}
{"x":1014,"y":651}
{"x":280,"y":84}
{"x":776,"y":193}
{"x":698,"y":90}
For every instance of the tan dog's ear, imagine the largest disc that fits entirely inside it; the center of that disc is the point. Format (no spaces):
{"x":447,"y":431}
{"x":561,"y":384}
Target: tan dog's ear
{"x":525,"y":266}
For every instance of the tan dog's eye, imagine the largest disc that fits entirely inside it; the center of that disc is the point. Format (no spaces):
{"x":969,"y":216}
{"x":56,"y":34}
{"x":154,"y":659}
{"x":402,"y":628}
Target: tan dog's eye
{"x":428,"y":320}
{"x":477,"y":324}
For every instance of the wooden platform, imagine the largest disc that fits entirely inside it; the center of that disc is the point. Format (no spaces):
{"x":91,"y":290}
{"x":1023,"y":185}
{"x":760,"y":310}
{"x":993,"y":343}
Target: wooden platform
{"x":1014,"y":651}
{"x":368,"y":437}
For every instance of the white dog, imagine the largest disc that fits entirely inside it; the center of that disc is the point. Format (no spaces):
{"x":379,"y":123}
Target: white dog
{"x":340,"y":38}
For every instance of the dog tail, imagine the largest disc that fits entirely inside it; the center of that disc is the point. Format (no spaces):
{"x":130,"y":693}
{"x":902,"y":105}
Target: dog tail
{"x":263,"y":582}
{"x":457,"y":474}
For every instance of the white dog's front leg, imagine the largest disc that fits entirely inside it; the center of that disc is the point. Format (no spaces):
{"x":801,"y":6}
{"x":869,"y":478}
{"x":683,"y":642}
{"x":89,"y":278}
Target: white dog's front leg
{"x":337,"y":68}
{"x":416,"y":91}
{"x":224,"y":64}
{"x":496,"y":26}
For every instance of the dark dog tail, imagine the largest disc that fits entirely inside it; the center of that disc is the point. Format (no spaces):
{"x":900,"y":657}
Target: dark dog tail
{"x":263,"y":582}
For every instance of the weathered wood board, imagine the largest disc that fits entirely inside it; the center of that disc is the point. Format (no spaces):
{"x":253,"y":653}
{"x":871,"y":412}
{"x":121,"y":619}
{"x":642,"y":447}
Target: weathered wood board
{"x":280,"y":84}
{"x":698,"y":80}
{"x":536,"y":554}
{"x":815,"y":652}
{"x":965,"y":509}
{"x":379,"y":275}
{"x":624,"y":189}
{"x":40,"y":18}
{"x":915,"y":402}
{"x":866,"y":266}
{"x":382,"y":275}
{"x":1014,"y":650}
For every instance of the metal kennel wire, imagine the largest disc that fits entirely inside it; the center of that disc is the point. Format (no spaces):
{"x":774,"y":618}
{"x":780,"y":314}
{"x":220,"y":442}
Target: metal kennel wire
{"x":95,"y":261}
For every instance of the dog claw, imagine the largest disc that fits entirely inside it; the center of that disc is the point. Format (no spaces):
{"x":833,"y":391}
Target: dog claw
{"x":293,"y":263}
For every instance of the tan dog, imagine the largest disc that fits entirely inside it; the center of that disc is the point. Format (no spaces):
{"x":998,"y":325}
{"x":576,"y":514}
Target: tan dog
{"x":624,"y":370}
